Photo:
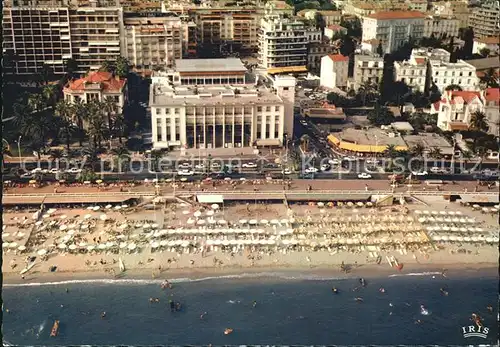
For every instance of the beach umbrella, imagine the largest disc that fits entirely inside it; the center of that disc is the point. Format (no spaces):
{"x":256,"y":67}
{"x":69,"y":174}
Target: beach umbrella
{"x":190,"y":221}
{"x":243,"y":179}
{"x":163,"y":243}
{"x":117,"y":207}
{"x":124,"y":206}
{"x":63,"y":216}
{"x":84,"y":226}
{"x":467,"y":239}
{"x":82,"y":244}
{"x":210,"y":213}
{"x":5,"y":245}
{"x":243,"y":221}
{"x":197,"y":214}
{"x":103,"y":217}
{"x":252,"y":221}
{"x":108,"y":206}
{"x":102,"y":246}
{"x":154,"y":226}
{"x":437,"y":238}
{"x":62,"y":246}
{"x":284,"y":221}
{"x":454,"y":229}
{"x":185,"y":212}
{"x":123,"y":245}
{"x":184,"y":179}
{"x":458,"y":213}
{"x":475,"y":239}
{"x":475,"y":206}
{"x":463,"y":230}
{"x":41,"y":252}
{"x":426,"y":212}
{"x":445,"y":237}
{"x":90,"y":248}
{"x":72,"y":247}
{"x":453,"y":238}
{"x":211,"y":221}
{"x":264,"y":221}
{"x":221,"y":221}
{"x":87,"y":216}
{"x":146,"y":226}
{"x":37,"y":224}
{"x":63,"y":227}
{"x":155,"y":245}
{"x":201,"y":222}
{"x":443,"y":213}
{"x":5,"y":235}
{"x":321,"y":204}
{"x":434,"y":213}
{"x":479,"y":230}
{"x":51,"y":210}
{"x":90,"y":208}
{"x":215,"y":206}
{"x":110,"y":244}
{"x":446,"y":228}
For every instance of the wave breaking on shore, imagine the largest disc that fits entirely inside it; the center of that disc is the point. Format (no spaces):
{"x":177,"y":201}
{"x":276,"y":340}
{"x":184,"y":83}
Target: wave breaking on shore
{"x":433,"y":273}
{"x":121,"y":281}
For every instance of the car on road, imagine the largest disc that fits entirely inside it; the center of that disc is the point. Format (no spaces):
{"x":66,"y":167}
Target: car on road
{"x":215,"y":165}
{"x":185,"y":166}
{"x":74,"y":170}
{"x":373,"y":161}
{"x":27,"y":175}
{"x":419,"y":173}
{"x":200,"y":166}
{"x":270,"y":166}
{"x":249,"y":165}
{"x":303,"y":122}
{"x":185,"y":172}
{"x":438,"y":170}
{"x":364,"y":175}
{"x":334,"y":161}
{"x":36,"y":170}
{"x":287,"y":171}
{"x":325,"y":167}
{"x":349,"y":158}
{"x":311,"y":170}
{"x":54,"y":170}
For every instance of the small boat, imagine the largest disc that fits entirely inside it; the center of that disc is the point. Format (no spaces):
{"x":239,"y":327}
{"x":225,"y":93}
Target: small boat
{"x":55,"y":329}
{"x":28,"y":268}
{"x":423,"y":310}
{"x":228,"y":331}
{"x":122,"y":265}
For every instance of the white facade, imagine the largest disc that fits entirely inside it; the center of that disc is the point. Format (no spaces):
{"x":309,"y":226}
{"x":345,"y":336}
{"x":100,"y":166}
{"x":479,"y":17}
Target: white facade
{"x":367,"y":69}
{"x":459,"y":73}
{"x":284,"y":42}
{"x":456,"y":108}
{"x":334,"y":70}
{"x":485,"y":18}
{"x":153,"y":41}
{"x":440,"y":26}
{"x":433,"y":54}
{"x":220,"y":115}
{"x":393,"y":28}
{"x":412,"y":72}
{"x":491,"y":43}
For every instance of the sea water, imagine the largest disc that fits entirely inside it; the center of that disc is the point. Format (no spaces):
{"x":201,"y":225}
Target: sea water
{"x":290,"y":309}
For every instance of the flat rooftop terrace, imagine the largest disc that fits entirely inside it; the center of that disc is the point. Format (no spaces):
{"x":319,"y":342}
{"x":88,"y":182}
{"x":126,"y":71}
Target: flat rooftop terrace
{"x":212,"y":65}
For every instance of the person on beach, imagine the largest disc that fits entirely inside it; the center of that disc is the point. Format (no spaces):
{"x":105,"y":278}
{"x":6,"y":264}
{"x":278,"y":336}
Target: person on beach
{"x":382,"y":290}
{"x":67,"y":290}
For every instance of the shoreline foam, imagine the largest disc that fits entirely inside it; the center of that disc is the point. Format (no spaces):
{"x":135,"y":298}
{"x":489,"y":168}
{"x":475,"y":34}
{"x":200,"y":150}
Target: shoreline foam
{"x":142,"y":276}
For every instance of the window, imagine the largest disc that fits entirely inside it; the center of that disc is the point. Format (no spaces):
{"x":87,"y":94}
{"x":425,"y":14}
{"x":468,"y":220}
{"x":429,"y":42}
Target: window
{"x":276,"y":108}
{"x":268,"y":108}
{"x":259,"y":108}
{"x":177,"y":110}
{"x":286,"y":88}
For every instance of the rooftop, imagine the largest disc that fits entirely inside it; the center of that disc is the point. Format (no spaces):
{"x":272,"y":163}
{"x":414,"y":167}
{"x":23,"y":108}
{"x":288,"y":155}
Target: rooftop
{"x":428,"y":141}
{"x":162,"y":95}
{"x":105,"y":80}
{"x":337,"y":57}
{"x":203,"y":65}
{"x":492,"y":94}
{"x":485,"y":63}
{"x":364,"y":57}
{"x":490,"y":40}
{"x":372,"y":136}
{"x":388,"y":15}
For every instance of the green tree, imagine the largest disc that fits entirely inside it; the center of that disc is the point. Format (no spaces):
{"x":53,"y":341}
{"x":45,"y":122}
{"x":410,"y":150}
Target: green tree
{"x":436,"y":152}
{"x":91,"y":155}
{"x":108,"y":66}
{"x":380,"y":50}
{"x":380,"y":116}
{"x":119,"y":126}
{"x":485,"y":52}
{"x":479,"y":122}
{"x":97,"y":125}
{"x":47,"y":74}
{"x":490,"y":78}
{"x":51,"y":93}
{"x":453,"y":87}
{"x":70,"y":66}
{"x":418,"y":150}
{"x":304,"y":143}
{"x":122,"y":66}
{"x":56,"y":154}
{"x":64,"y":112}
{"x":122,"y":155}
{"x":387,"y":80}
{"x":110,"y":107}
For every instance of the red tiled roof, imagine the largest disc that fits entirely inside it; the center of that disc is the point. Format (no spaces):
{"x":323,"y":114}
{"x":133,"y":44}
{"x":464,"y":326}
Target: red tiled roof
{"x":489,"y":40}
{"x":338,"y":57}
{"x":420,"y":61}
{"x":106,"y":79}
{"x":492,"y":94}
{"x":437,"y":104}
{"x":397,"y":15}
{"x":465,"y":95}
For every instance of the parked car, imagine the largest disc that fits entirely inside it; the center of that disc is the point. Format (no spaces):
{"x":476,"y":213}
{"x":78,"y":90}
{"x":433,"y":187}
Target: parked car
{"x":74,"y":170}
{"x":200,"y":166}
{"x":287,"y":171}
{"x":185,"y":172}
{"x":364,"y":175}
{"x":311,"y":170}
{"x":349,"y":158}
{"x":249,"y":165}
{"x":184,"y":166}
{"x":325,"y":167}
{"x":419,"y":173}
{"x":54,"y":170}
{"x":334,"y":161}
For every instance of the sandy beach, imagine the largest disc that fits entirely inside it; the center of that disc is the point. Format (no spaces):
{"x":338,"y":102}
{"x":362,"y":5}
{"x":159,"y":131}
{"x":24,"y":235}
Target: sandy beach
{"x":169,"y":263}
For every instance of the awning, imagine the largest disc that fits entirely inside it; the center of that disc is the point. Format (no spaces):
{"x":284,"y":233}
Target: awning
{"x":332,"y":139}
{"x":455,"y":126}
{"x":268,"y":142}
{"x":480,"y":198}
{"x":210,"y":199}
{"x":286,"y":69}
{"x":360,"y":148}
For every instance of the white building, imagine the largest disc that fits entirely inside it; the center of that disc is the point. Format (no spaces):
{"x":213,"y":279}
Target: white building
{"x":456,"y":108}
{"x":283,"y":42}
{"x":491,"y":43}
{"x":440,"y":26}
{"x":393,"y":28}
{"x":444,"y":73}
{"x":485,"y":18}
{"x":152,"y":41}
{"x":216,"y":115}
{"x":334,"y":70}
{"x":367,"y":69}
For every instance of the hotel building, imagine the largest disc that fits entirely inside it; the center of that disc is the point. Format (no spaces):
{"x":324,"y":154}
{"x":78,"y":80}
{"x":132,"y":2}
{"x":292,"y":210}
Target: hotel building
{"x":485,"y":19}
{"x":196,"y":107}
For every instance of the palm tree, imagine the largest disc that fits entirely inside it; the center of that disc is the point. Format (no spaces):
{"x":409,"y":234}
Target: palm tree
{"x":479,"y":122}
{"x":418,"y":150}
{"x":110,"y":107}
{"x":51,"y":94}
{"x":119,"y":126}
{"x":436,"y":152}
{"x":123,"y":156}
{"x":391,"y":151}
{"x":490,"y":78}
{"x":56,"y":154}
{"x":37,"y":103}
{"x":155,"y":157}
{"x":64,"y":111}
{"x":70,"y":66}
{"x":80,"y":114}
{"x":91,"y":155}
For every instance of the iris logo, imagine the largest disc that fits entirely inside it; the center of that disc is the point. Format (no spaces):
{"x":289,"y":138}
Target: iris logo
{"x":475,"y":331}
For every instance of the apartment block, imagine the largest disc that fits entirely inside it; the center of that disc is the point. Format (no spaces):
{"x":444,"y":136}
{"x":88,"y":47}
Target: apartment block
{"x":329,"y":17}
{"x":96,"y":34}
{"x":457,"y":8}
{"x":37,"y":36}
{"x":412,"y":72}
{"x":485,"y":19}
{"x":216,"y":114}
{"x":440,"y":26}
{"x":151,"y":41}
{"x":393,"y":28}
{"x":284,"y":42}
{"x":316,"y":52}
{"x":334,"y":70}
{"x":367,"y":69}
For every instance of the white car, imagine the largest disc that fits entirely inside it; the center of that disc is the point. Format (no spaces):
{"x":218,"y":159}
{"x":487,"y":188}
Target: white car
{"x":27,"y":175}
{"x":215,"y":165}
{"x":325,"y":167}
{"x":311,"y":170}
{"x":303,"y":122}
{"x":334,"y":161}
{"x":74,"y":170}
{"x":185,"y":172}
{"x":349,"y":158}
{"x":436,"y":169}
{"x":54,"y":170}
{"x":249,"y":165}
{"x":372,"y":161}
{"x":286,"y":172}
{"x":364,"y":175}
{"x":419,"y":173}
{"x":37,"y":169}
{"x":185,"y":166}
{"x":199,"y":166}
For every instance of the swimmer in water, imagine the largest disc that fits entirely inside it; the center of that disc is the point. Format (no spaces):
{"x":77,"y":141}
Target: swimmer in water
{"x":490,"y":308}
{"x":7,"y":310}
{"x":254,"y":304}
{"x":67,"y":290}
{"x":359,"y":299}
{"x":390,"y":304}
{"x":62,"y":305}
{"x":335,"y":290}
{"x":418,"y":321}
{"x":382,"y":290}
{"x":172,"y":306}
{"x":203,"y":315}
{"x":103,"y":315}
{"x":444,"y":292}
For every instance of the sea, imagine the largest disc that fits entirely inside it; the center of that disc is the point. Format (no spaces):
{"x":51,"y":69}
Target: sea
{"x":262,"y":309}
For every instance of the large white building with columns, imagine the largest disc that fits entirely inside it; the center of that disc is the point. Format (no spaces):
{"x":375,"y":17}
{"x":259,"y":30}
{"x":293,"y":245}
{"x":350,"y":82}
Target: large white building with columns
{"x":215,"y":108}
